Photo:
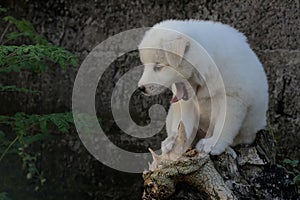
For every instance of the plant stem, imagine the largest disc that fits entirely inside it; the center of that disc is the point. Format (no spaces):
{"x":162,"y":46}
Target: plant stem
{"x":4,"y":32}
{"x":9,"y":146}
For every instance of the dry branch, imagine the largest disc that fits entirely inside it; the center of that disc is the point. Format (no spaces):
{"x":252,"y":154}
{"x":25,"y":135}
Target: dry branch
{"x":191,"y":167}
{"x":221,"y":177}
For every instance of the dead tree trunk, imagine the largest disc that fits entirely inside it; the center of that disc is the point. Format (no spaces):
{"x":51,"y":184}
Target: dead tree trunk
{"x":192,"y":175}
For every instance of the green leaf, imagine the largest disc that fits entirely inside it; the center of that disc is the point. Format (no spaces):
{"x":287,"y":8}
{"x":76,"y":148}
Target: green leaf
{"x":296,"y":179}
{"x":3,"y":196}
{"x":38,"y":137}
{"x":13,"y":88}
{"x":2,"y":10}
{"x":13,"y":35}
{"x":293,"y":163}
{"x":9,"y":18}
{"x":43,"y":125}
{"x":26,"y":29}
{"x":2,"y":134}
{"x":5,"y":120}
{"x":34,"y":57}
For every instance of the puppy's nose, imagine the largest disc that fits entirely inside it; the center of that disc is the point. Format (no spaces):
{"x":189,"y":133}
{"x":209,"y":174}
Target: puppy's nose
{"x":142,"y":89}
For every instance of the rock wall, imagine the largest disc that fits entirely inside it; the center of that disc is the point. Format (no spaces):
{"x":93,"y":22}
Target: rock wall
{"x":272,"y":28}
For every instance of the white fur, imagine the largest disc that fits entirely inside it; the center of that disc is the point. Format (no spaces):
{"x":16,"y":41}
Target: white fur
{"x":242,"y":73}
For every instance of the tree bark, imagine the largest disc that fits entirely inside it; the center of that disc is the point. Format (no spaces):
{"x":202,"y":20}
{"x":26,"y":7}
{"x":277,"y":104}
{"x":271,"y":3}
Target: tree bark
{"x":252,"y":175}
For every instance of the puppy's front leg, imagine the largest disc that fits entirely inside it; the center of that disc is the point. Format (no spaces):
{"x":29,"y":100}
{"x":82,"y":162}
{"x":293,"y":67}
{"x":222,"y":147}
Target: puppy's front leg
{"x":224,"y":132}
{"x":184,"y":111}
{"x":173,"y":118}
{"x":168,"y":144}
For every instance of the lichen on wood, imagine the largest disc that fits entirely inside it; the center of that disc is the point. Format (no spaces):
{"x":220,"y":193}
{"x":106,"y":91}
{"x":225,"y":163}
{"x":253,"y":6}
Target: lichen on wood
{"x":252,"y":175}
{"x":190,"y":167}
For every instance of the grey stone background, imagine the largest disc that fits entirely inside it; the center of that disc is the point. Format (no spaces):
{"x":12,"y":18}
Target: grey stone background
{"x":273,"y":31}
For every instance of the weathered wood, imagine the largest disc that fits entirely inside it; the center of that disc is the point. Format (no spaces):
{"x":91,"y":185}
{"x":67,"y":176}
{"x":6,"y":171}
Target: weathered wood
{"x":191,"y":167}
{"x":219,"y":177}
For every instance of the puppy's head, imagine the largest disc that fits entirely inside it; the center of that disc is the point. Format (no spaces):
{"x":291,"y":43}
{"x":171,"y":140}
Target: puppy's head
{"x":162,"y":52}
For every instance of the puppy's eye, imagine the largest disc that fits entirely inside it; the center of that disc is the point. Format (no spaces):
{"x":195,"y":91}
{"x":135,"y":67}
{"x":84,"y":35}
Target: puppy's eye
{"x":158,"y":67}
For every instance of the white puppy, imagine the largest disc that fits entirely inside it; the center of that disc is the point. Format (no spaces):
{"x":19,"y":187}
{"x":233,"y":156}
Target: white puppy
{"x":218,"y":83}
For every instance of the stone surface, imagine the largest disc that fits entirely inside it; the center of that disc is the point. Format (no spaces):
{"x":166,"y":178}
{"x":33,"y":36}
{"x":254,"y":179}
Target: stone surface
{"x":273,"y":31}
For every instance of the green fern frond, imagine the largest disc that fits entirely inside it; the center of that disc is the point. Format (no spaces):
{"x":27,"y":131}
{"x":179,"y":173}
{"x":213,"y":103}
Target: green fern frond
{"x":26,"y":29}
{"x":13,"y":88}
{"x":34,"y":57}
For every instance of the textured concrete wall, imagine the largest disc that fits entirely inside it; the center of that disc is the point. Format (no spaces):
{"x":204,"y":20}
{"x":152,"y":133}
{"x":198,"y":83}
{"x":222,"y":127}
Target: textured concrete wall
{"x":272,"y":27}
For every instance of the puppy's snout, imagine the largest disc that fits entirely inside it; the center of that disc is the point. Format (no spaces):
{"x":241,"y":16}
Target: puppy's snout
{"x":142,"y":89}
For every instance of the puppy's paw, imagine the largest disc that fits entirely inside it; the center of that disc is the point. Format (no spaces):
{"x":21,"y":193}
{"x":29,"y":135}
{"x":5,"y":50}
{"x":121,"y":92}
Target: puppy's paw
{"x":217,"y":150}
{"x":168,"y":144}
{"x":205,"y":145}
{"x":220,"y":148}
{"x":209,"y":145}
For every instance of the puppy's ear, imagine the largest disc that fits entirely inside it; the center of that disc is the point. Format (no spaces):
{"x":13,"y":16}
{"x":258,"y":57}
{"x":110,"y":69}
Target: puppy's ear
{"x":175,"y":49}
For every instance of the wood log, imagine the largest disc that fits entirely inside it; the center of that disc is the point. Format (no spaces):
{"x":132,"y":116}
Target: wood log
{"x":218,"y":177}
